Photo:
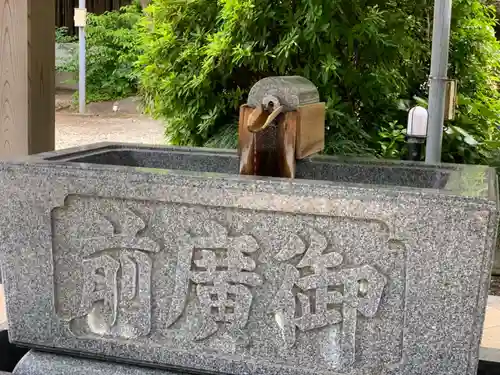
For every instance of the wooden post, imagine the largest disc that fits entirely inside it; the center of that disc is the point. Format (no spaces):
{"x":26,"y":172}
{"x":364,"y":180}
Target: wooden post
{"x":27,"y":77}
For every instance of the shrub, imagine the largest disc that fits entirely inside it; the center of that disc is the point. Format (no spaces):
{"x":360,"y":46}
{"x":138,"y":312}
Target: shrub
{"x":112,"y":51}
{"x":62,"y":35}
{"x":474,"y":60}
{"x":202,"y":57}
{"x":368,"y":58}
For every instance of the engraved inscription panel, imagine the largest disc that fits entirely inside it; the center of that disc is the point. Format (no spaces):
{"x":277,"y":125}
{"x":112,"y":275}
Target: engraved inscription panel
{"x":316,"y":292}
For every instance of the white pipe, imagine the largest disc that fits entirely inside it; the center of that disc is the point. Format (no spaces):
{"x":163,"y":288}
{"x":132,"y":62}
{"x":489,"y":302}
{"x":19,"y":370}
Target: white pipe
{"x":82,"y":65}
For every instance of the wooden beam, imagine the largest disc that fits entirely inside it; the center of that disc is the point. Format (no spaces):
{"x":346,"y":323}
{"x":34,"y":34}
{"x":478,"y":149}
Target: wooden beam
{"x":41,"y":75}
{"x":27,"y":77}
{"x":13,"y":78}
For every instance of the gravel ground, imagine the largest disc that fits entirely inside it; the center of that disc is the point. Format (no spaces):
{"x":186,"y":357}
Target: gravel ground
{"x":104,"y":122}
{"x":75,"y":130}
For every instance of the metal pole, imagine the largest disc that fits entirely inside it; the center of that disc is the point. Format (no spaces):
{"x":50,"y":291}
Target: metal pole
{"x":438,"y":79}
{"x":82,"y":67}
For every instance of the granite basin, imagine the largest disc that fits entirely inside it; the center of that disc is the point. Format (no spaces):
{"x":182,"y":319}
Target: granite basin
{"x":322,"y":168}
{"x":166,"y":257}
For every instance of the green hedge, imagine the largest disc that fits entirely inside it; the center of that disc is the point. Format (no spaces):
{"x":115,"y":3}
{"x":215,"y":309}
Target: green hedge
{"x":369,"y":59}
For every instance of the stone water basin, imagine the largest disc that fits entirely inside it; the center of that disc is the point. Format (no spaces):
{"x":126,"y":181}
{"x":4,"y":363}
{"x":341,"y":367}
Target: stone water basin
{"x":166,"y":257}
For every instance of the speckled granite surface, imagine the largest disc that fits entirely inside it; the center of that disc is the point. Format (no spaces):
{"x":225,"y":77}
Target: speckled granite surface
{"x":39,"y":363}
{"x":245,"y":275}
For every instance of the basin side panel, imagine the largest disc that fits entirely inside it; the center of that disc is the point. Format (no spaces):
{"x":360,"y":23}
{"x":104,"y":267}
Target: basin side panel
{"x":244,"y":276}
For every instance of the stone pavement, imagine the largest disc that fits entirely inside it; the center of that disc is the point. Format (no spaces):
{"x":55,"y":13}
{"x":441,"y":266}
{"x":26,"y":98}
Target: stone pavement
{"x":490,"y":343}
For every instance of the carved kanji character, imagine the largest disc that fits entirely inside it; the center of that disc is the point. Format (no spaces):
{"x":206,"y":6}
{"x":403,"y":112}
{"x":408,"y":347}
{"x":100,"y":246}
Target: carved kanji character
{"x":116,"y":293}
{"x":330,"y":295}
{"x":223,"y":273}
